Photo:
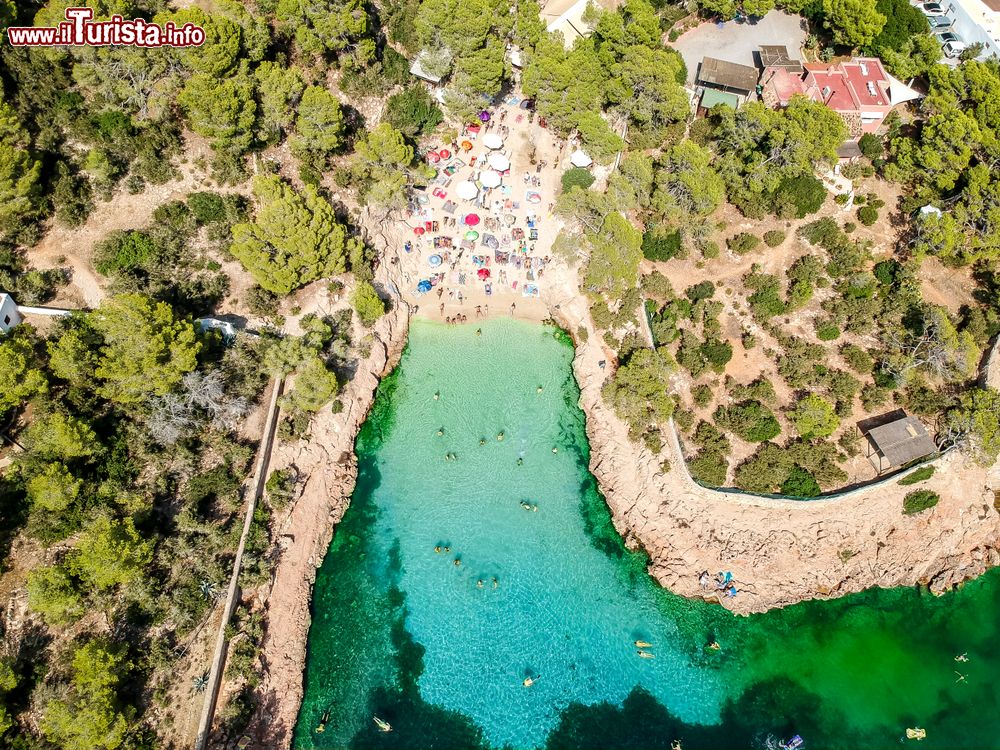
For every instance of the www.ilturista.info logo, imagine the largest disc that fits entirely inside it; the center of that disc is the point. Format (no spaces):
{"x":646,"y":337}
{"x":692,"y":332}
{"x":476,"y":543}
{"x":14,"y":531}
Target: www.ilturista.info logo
{"x":80,"y":29}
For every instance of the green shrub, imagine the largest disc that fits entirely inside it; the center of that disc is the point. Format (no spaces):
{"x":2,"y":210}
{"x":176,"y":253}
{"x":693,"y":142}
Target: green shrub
{"x":717,"y":353}
{"x":798,"y":197}
{"x":751,"y":420}
{"x":660,"y":245}
{"x":261,"y":302}
{"x":919,"y":501}
{"x":709,"y":467}
{"x":867,"y":215}
{"x":800,"y":483}
{"x":920,"y":475}
{"x":123,"y":251}
{"x":702,"y":395}
{"x":774,"y":237}
{"x":857,"y":358}
{"x":367,"y":304}
{"x":742,"y":243}
{"x":710,"y":250}
{"x":887,"y":272}
{"x":827,"y":331}
{"x":413,"y":111}
{"x":576,"y":177}
{"x":701,"y":290}
{"x":207,"y":207}
{"x":814,"y":417}
{"x":841,"y":198}
{"x":871,"y":146}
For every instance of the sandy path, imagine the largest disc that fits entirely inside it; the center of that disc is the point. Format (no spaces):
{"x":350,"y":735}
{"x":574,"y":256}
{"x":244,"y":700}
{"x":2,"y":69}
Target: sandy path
{"x":75,"y":247}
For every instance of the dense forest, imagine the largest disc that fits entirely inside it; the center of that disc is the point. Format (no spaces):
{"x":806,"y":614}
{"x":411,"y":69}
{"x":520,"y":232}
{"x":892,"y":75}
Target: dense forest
{"x":123,"y":452}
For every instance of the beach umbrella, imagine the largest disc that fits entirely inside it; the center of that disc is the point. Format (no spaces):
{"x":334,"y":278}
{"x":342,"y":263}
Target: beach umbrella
{"x":444,"y":153}
{"x":490,"y":179}
{"x":433,"y":157}
{"x":484,"y":116}
{"x":580,"y":159}
{"x":472,"y":234}
{"x":533,"y":198}
{"x":418,"y":230}
{"x":434,"y":260}
{"x":483,"y":273}
{"x":424,"y":286}
{"x":471,"y":220}
{"x":466,"y":190}
{"x":466,"y":145}
{"x":499,"y":162}
{"x":492,"y":140}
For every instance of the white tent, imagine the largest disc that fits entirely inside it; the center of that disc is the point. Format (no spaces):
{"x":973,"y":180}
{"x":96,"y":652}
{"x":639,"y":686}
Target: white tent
{"x":492,"y":140}
{"x":899,"y":92}
{"x":580,"y":159}
{"x":490,"y":179}
{"x":499,"y":162}
{"x":466,"y":190}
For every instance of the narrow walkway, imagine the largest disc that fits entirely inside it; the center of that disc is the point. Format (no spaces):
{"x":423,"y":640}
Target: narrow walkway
{"x":257,"y":489}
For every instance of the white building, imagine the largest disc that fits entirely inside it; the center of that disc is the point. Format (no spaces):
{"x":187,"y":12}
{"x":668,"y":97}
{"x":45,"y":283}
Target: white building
{"x":9,"y":316}
{"x":977,"y":21}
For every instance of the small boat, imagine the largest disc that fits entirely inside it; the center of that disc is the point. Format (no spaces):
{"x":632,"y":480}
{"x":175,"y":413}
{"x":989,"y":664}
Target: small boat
{"x":793,"y":744}
{"x":383,"y":726}
{"x":917,"y":733}
{"x":643,"y":644}
{"x":645,"y":654}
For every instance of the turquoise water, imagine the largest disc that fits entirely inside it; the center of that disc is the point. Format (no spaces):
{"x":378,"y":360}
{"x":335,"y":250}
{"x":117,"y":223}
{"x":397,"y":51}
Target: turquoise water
{"x":441,"y":651}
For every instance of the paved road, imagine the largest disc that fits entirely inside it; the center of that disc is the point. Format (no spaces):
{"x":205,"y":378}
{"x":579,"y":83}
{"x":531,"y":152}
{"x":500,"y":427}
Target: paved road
{"x":737,"y":42}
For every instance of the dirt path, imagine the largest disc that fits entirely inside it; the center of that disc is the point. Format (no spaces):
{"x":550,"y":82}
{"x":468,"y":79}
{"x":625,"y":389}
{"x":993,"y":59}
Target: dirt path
{"x":74,"y":248}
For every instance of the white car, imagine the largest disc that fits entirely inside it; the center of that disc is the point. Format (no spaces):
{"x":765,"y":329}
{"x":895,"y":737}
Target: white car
{"x":932,"y":9}
{"x":953,"y":49}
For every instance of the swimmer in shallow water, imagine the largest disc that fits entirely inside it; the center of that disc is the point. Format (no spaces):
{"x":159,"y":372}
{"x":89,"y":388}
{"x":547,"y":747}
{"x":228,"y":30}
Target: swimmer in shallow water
{"x":482,"y":441}
{"x":500,"y":435}
{"x":479,"y":583}
{"x":495,"y":583}
{"x":458,"y":562}
{"x":438,"y":549}
{"x":437,"y":395}
{"x":555,"y":450}
{"x":520,"y":461}
{"x":440,"y":431}
{"x":539,"y":389}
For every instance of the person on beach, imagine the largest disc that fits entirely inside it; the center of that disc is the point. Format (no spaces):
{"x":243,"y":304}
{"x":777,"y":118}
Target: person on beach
{"x":513,"y":307}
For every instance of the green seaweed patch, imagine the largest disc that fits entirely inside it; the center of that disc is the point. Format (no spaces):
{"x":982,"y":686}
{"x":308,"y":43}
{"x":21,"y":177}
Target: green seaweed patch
{"x":382,"y":419}
{"x":748,"y":722}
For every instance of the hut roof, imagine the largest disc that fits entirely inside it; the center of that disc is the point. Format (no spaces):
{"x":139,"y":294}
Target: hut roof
{"x":899,"y":440}
{"x":728,"y":75}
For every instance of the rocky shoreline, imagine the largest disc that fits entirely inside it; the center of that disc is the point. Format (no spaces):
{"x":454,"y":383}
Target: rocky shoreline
{"x":330,"y":468}
{"x":780,"y":552}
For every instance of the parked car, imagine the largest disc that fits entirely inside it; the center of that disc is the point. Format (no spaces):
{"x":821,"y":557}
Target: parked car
{"x":932,"y":9}
{"x":948,"y":37}
{"x":953,"y":49}
{"x":939,"y":23}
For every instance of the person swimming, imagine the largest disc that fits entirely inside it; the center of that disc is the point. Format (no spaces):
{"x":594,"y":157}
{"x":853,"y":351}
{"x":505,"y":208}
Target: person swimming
{"x":437,"y":549}
{"x":440,"y":431}
{"x":554,"y":449}
{"x":539,"y":389}
{"x":479,"y":583}
{"x":495,"y":583}
{"x":479,"y":331}
{"x":458,"y":562}
{"x":643,"y":644}
{"x":520,"y":461}
{"x":437,"y":395}
{"x":321,"y":727}
{"x":482,"y":441}
{"x":500,"y":435}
